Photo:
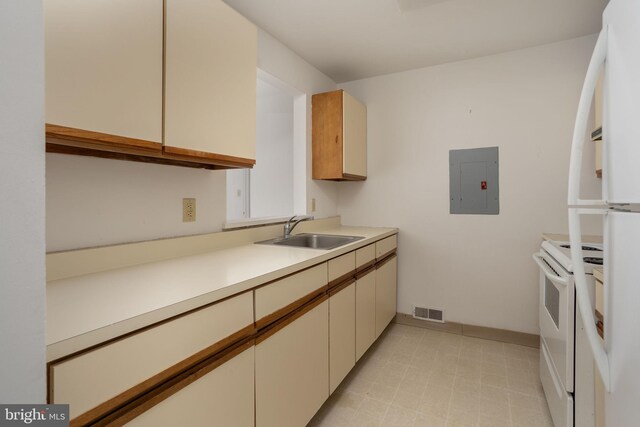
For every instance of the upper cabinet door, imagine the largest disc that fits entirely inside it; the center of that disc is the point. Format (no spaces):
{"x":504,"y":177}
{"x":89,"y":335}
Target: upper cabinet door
{"x":104,"y":69}
{"x":210,"y":82}
{"x":339,"y":136}
{"x":354,"y":147}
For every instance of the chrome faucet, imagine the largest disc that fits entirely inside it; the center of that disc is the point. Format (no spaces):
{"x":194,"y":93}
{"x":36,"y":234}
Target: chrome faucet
{"x":288,"y":226}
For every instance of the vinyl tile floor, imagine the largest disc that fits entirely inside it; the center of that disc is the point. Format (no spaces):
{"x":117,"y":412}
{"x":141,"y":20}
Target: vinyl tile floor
{"x":419,"y":377}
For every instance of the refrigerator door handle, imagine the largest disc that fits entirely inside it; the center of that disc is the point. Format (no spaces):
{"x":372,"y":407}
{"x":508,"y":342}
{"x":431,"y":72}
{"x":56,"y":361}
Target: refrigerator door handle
{"x":580,"y":128}
{"x":587,"y":311}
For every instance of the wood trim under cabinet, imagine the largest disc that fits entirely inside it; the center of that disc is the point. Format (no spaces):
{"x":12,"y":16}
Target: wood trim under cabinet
{"x":205,"y":157}
{"x":352,"y":177}
{"x":63,"y":135}
{"x":289,"y":308}
{"x":81,"y":142}
{"x":135,"y":408}
{"x":275,"y":327}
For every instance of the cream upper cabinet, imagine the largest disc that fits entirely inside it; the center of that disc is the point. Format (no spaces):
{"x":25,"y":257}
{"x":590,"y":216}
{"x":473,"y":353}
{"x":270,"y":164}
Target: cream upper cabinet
{"x":103,"y":61}
{"x":365,"y":312}
{"x":386,"y":290}
{"x":339,"y":136}
{"x":292,"y":370}
{"x":210,"y":81}
{"x":222,"y":397}
{"x":342,"y":335}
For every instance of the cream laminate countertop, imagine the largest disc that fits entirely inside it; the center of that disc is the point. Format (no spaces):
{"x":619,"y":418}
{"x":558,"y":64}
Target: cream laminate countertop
{"x":90,"y":309}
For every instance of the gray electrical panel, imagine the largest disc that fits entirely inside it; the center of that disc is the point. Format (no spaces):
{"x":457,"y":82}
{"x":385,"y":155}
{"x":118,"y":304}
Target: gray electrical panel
{"x":473,"y":181}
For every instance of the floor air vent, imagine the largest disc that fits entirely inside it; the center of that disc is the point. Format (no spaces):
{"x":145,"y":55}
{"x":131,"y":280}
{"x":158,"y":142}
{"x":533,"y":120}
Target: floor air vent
{"x":430,"y":314}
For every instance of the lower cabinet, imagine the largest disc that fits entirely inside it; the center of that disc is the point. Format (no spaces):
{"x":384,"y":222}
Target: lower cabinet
{"x":342,"y":334}
{"x":222,"y":397}
{"x":386,"y":288}
{"x":292,"y":369}
{"x":365,"y":311}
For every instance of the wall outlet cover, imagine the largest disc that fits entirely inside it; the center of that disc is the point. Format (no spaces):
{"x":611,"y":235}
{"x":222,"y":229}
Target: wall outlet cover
{"x":188,"y":210}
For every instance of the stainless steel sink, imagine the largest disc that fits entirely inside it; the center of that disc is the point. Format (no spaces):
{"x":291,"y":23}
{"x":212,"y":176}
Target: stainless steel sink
{"x":313,"y":241}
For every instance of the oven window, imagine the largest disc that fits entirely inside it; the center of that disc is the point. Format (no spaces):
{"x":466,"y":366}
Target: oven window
{"x":552,"y":301}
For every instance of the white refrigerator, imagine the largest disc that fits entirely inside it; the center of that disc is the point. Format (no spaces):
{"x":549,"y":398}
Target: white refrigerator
{"x":617,"y":359}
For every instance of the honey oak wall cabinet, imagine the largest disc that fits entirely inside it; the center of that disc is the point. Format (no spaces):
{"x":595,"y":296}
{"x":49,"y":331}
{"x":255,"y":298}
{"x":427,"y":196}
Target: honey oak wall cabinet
{"x":339,"y":137}
{"x":107,"y":62}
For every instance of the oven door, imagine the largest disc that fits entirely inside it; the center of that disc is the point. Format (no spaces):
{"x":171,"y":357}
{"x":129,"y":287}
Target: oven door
{"x":556,"y":312}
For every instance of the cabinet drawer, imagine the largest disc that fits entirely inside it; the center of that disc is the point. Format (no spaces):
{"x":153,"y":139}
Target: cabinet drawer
{"x":386,"y":246}
{"x":225,"y":391}
{"x":276,"y":299}
{"x":365,"y":256}
{"x":110,"y":373}
{"x":341,"y":268}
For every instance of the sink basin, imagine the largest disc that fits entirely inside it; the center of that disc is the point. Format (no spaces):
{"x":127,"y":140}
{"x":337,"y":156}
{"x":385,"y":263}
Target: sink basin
{"x":313,"y":241}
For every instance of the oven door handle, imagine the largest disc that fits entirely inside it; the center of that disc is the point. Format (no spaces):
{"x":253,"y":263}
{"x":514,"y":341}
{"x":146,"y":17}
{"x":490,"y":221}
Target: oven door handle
{"x":539,"y":259}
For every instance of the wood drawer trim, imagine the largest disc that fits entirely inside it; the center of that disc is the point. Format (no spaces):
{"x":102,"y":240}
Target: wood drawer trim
{"x":385,"y":258}
{"x":284,"y":311}
{"x":275,"y":327}
{"x":363,"y":273}
{"x":128,"y":412}
{"x":342,"y":286}
{"x":146,"y":386}
{"x":341,"y":279}
{"x":365,"y":266}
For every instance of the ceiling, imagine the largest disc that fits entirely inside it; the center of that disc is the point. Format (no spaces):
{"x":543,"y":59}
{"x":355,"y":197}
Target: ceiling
{"x":353,"y":39}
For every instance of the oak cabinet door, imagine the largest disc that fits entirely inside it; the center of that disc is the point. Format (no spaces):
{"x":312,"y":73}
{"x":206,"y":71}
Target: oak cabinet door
{"x":103,"y":61}
{"x":342,"y":335}
{"x":386,"y":290}
{"x":210,"y":81}
{"x":292,"y":371}
{"x":339,"y":137}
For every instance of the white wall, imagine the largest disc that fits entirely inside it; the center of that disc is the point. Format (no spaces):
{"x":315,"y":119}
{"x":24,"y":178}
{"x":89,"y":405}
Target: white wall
{"x":272,"y":176}
{"x":96,"y":202}
{"x":476,"y":267}
{"x":22,"y":274}
{"x":279,"y":61}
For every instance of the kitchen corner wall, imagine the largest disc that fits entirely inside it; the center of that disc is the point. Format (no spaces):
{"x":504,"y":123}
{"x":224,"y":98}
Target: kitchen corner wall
{"x":95,"y":202}
{"x":22,"y":257}
{"x":478,"y":268}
